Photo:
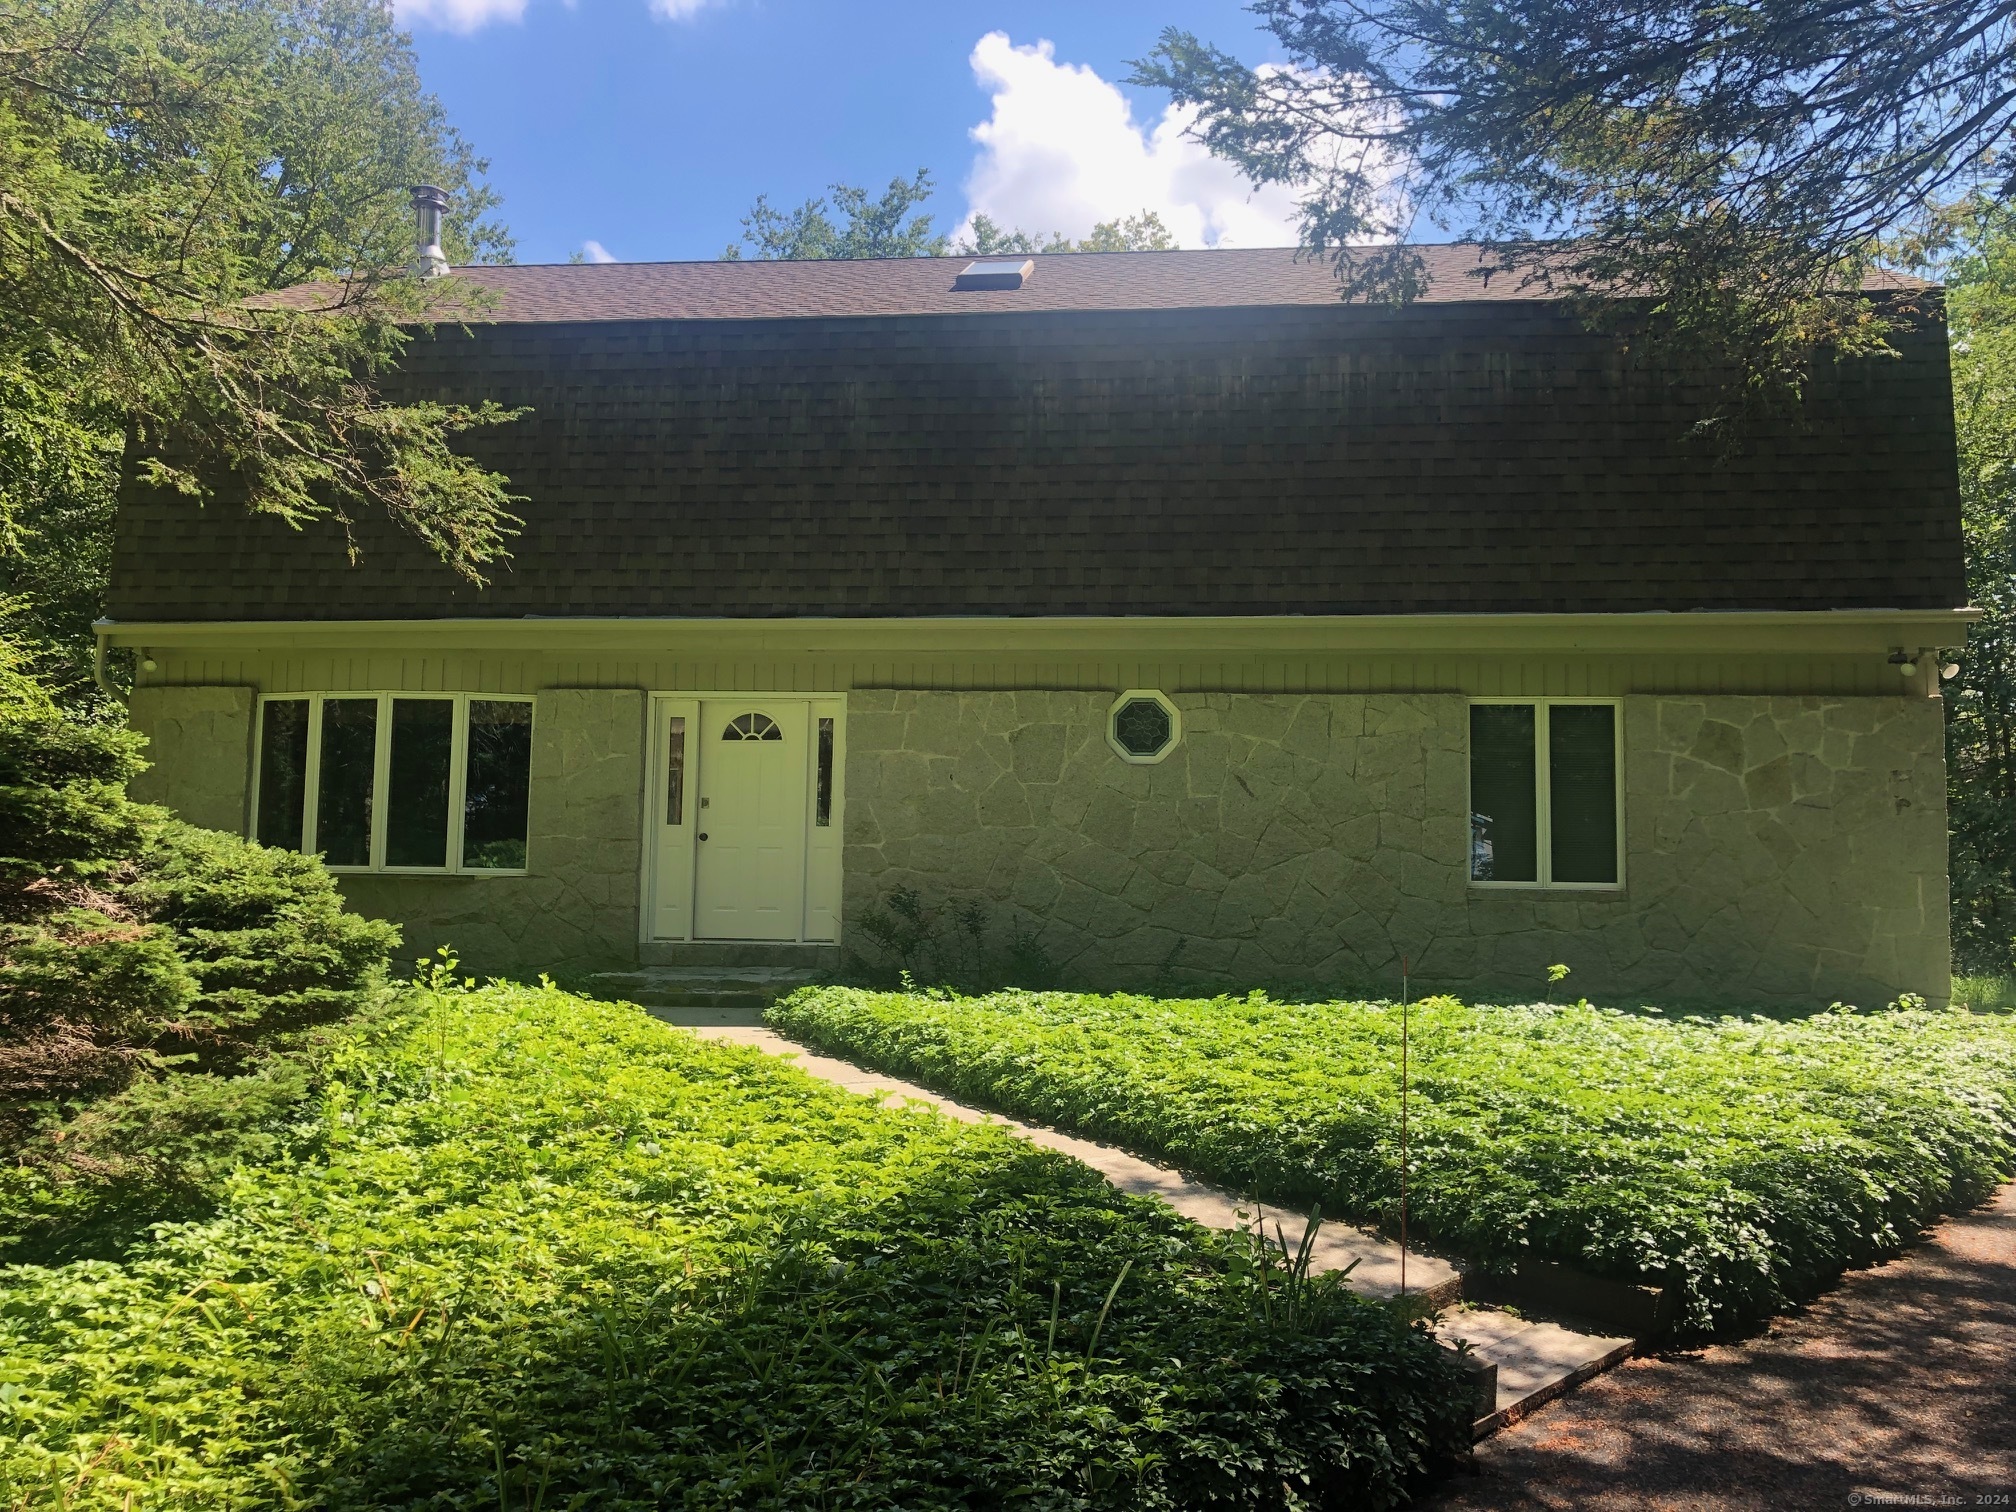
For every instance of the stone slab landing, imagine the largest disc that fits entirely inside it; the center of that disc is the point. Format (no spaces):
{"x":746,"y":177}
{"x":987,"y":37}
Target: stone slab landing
{"x":1524,"y":1363}
{"x":701,"y":978}
{"x":741,"y":990}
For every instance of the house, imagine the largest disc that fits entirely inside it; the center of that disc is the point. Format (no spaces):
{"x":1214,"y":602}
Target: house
{"x":1208,"y":629}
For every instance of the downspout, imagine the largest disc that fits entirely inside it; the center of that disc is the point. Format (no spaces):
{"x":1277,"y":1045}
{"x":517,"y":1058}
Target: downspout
{"x":101,"y":629}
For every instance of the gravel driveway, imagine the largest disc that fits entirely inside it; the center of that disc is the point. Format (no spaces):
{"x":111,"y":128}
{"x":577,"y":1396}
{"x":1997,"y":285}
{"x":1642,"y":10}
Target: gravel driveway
{"x":1897,"y":1388}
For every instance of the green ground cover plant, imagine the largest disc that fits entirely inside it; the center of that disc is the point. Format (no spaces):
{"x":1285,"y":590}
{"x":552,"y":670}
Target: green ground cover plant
{"x":1985,"y":994}
{"x":1745,"y":1160}
{"x":524,"y":1250}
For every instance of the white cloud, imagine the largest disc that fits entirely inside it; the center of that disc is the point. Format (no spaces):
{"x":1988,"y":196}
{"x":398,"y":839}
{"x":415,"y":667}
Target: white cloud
{"x":1062,"y":151}
{"x":595,"y":252}
{"x":457,"y":15}
{"x":678,"y":10}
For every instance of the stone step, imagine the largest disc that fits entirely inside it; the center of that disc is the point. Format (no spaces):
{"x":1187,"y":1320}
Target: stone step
{"x":703,"y":1019}
{"x":740,"y":953}
{"x":1535,"y":1361}
{"x":701,"y":987}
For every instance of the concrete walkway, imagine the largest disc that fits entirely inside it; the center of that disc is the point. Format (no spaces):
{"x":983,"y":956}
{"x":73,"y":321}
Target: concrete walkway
{"x":1535,"y":1361}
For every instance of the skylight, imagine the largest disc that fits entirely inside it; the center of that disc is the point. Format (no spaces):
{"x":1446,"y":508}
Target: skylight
{"x":995,"y":273}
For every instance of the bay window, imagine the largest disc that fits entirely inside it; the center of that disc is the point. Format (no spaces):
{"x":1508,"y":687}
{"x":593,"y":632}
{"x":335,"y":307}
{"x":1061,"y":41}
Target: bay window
{"x":1546,"y":805}
{"x":396,"y":782}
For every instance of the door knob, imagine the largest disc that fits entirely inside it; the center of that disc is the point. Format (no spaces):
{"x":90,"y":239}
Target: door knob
{"x":703,"y":834}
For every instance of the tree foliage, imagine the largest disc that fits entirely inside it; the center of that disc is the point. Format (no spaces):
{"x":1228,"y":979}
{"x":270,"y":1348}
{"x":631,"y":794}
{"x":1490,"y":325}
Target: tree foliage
{"x":1979,"y":244}
{"x":1143,"y":232}
{"x":1740,"y":163}
{"x":162,"y":162}
{"x":887,"y":227}
{"x":884,"y":227}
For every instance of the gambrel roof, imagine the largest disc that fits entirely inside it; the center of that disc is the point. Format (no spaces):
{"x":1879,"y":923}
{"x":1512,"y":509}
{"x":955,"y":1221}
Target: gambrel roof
{"x":1207,"y":433}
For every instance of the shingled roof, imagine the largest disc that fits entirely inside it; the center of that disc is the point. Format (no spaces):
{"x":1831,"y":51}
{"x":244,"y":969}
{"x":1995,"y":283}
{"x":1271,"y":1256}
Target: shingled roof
{"x":1061,"y":281}
{"x":1445,"y":457}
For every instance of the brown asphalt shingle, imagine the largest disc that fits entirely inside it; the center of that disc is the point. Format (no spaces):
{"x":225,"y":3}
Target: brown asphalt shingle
{"x":1332,"y":459}
{"x":1216,"y":279}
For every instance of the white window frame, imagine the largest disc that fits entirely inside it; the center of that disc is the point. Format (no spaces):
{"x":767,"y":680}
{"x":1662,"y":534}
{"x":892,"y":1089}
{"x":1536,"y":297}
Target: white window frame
{"x":1543,"y":797}
{"x":458,"y":776}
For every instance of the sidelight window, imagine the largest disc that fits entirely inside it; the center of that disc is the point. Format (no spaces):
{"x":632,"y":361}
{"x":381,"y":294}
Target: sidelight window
{"x":822,"y":782}
{"x":396,"y":782}
{"x":1546,"y":806}
{"x":675,"y":770}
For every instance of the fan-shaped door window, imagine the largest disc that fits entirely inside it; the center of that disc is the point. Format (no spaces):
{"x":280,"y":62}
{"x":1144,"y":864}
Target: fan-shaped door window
{"x":752,"y":727}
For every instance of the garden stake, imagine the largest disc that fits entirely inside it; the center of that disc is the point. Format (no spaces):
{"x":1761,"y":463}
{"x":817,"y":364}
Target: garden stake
{"x":1405,"y":994}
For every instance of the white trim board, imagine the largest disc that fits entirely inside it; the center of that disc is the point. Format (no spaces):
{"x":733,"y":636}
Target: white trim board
{"x":1759,"y":632}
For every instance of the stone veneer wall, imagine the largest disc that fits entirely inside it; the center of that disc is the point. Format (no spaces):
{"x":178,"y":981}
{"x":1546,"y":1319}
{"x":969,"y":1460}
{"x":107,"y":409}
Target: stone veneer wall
{"x":577,"y":910}
{"x":1777,"y":849}
{"x":199,"y":752}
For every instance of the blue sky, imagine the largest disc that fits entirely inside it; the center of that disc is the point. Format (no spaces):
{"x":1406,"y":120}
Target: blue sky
{"x":648,"y":126}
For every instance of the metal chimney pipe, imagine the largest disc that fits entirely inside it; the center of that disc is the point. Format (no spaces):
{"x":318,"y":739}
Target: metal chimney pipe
{"x":429,"y":261}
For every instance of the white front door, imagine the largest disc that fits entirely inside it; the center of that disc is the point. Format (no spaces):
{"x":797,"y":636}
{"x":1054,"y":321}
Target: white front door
{"x":749,"y":829}
{"x":771,"y":811}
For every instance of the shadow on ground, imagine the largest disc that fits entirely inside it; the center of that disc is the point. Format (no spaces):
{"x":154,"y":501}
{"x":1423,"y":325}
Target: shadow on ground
{"x":1901,"y":1383}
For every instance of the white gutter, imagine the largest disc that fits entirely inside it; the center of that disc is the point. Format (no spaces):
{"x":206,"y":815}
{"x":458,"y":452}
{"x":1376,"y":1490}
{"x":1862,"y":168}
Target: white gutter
{"x":1740,"y":632}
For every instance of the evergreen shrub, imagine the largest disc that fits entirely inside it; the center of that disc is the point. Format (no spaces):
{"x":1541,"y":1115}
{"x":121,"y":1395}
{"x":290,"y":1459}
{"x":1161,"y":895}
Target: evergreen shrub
{"x":152,"y":976}
{"x":263,"y":931}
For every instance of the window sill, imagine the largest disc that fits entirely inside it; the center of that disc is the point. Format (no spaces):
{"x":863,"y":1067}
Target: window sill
{"x":436,"y":874}
{"x":1552,"y":889}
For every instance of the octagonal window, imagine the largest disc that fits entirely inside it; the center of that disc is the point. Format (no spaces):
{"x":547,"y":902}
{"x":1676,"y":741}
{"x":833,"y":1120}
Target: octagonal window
{"x":1143,"y":726}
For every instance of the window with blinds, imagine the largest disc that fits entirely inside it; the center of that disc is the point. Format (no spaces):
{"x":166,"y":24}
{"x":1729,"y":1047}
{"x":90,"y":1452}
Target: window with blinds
{"x":1545,"y":805}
